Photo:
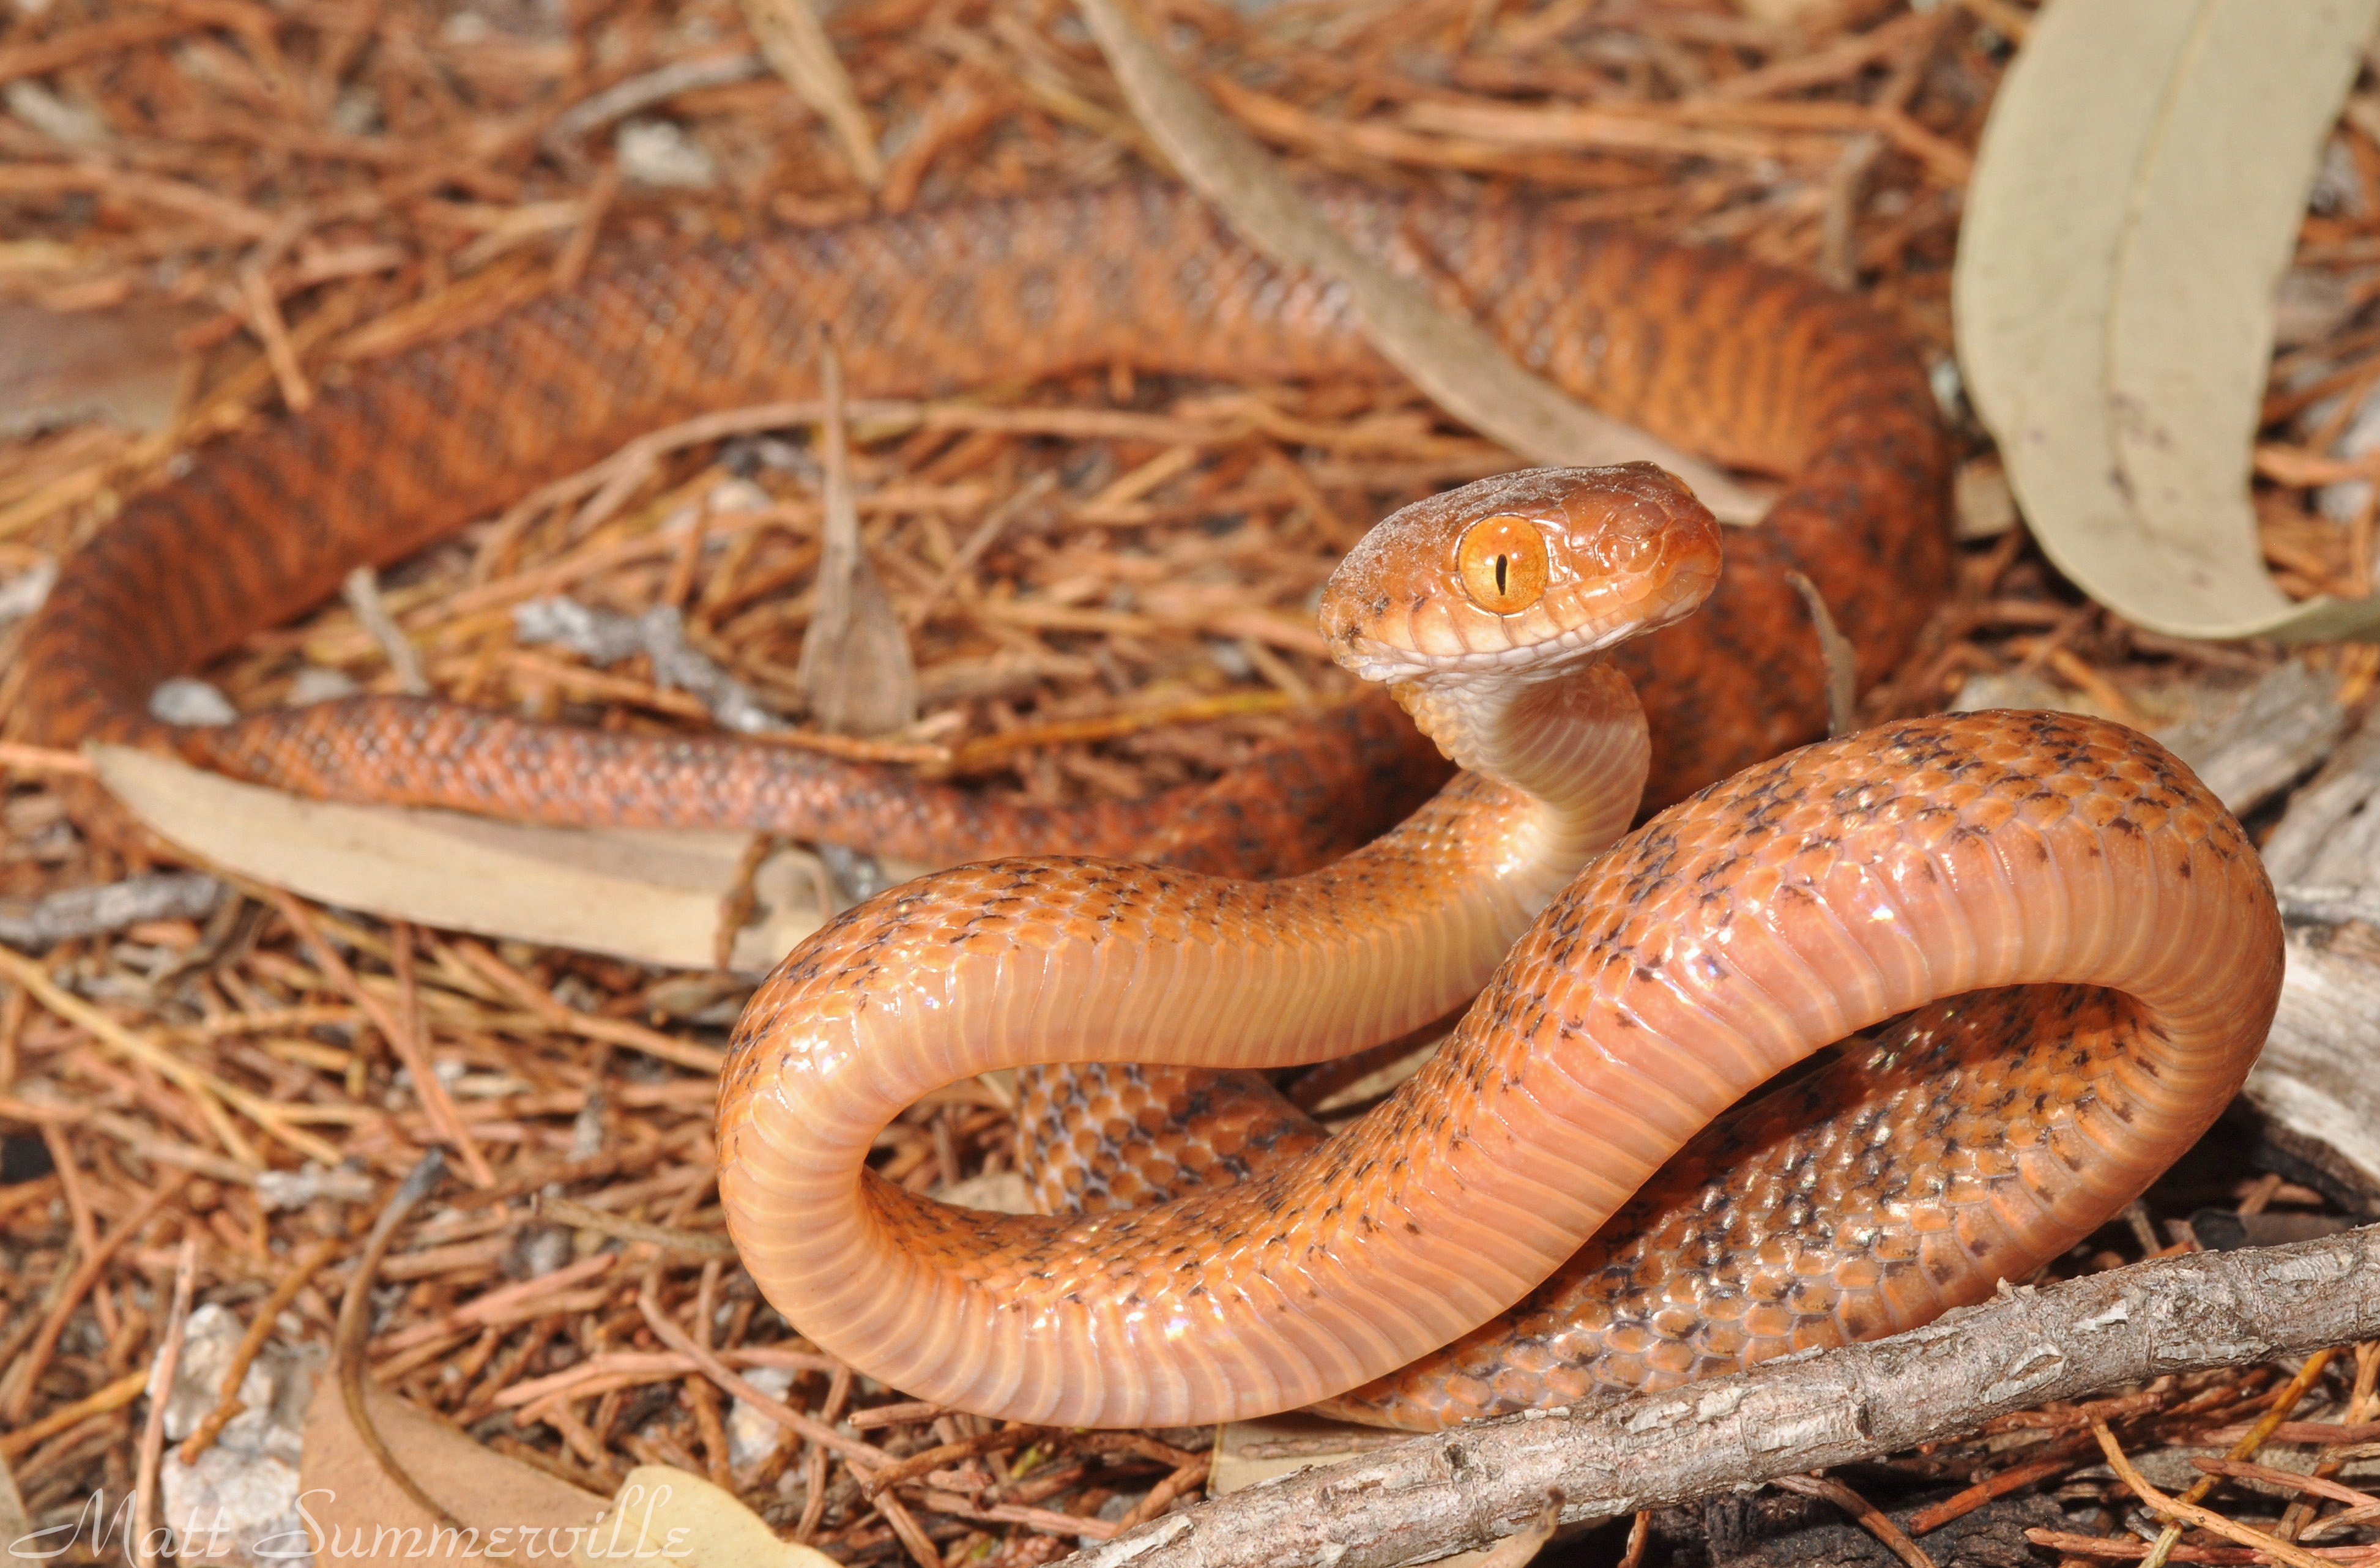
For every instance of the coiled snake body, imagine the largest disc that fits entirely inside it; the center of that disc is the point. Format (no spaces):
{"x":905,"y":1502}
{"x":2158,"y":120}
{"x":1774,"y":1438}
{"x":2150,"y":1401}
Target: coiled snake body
{"x":1810,"y":897}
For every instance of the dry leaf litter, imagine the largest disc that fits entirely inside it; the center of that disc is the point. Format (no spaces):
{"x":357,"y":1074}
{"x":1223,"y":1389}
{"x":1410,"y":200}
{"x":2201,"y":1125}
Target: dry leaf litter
{"x":210,"y":208}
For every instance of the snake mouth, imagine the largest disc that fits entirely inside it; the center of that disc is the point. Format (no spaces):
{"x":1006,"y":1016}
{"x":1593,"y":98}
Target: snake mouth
{"x":1374,"y":660}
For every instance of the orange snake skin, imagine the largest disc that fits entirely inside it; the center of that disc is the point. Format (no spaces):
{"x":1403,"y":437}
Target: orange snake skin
{"x":1426,"y":1266}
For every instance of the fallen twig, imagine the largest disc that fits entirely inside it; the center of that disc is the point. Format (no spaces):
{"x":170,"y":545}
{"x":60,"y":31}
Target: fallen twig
{"x":796,"y":45}
{"x":1871,"y":1518}
{"x":147,"y":1499}
{"x":2183,"y":1512}
{"x":408,"y":1045}
{"x":354,"y":1322}
{"x":856,"y":668}
{"x":109,"y":1396}
{"x":581,"y":1216}
{"x":212,"y":1092}
{"x":1465,"y":1488}
{"x":251,"y":1344}
{"x":2131,"y":1550}
{"x":362,"y":591}
{"x":91,"y":911}
{"x":1842,"y":660}
{"x":2283,"y":1402}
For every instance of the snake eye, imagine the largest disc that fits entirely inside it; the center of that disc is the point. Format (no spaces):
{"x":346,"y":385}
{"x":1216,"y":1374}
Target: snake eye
{"x":1502,"y":560}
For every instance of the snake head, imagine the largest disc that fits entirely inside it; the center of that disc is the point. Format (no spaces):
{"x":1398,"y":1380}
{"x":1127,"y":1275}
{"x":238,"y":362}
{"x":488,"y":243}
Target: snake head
{"x":1524,"y":573}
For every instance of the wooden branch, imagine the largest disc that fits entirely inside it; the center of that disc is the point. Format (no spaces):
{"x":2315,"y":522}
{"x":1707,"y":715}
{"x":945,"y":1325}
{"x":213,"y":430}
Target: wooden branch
{"x":1463,"y":1488}
{"x":2265,"y":739}
{"x":2314,"y":1094}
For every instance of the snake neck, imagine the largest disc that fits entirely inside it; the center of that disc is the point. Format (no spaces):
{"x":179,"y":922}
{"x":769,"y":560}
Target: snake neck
{"x":1574,"y":742}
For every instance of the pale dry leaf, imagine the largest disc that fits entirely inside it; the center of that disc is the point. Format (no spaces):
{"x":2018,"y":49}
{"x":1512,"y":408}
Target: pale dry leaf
{"x":1452,"y":360}
{"x":343,"y":1489}
{"x":2135,"y":201}
{"x":651,"y":895}
{"x":118,"y":364}
{"x":796,"y":45}
{"x":672,"y":1516}
{"x":856,"y":668}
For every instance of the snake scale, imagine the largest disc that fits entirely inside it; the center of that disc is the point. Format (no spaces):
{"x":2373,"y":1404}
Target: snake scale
{"x":2070,"y":945}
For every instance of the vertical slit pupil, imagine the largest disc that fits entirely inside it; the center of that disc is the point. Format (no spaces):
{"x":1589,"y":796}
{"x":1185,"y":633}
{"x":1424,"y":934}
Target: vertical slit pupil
{"x":1501,"y":586}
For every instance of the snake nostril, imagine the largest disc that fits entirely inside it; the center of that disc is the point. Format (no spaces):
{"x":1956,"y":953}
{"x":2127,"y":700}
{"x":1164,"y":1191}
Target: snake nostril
{"x":1629,"y":548}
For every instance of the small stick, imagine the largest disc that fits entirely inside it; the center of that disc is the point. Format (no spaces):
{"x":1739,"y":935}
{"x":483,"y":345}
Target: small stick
{"x":913,"y":1534}
{"x":579,"y":248}
{"x":1871,"y":1518}
{"x":79,"y":1215}
{"x":408,"y":984}
{"x":641,"y":92}
{"x":1640,"y":1536}
{"x":944,"y":1455}
{"x":986,"y":533}
{"x":12,"y":1013}
{"x":2183,"y":1513}
{"x":2346,"y":1519}
{"x":252,"y":1343}
{"x":2283,"y":1402}
{"x":28,"y":1372}
{"x":741,"y":901}
{"x":263,"y":312}
{"x":2287,"y":1481}
{"x":590,"y":1026}
{"x":838,"y":1395}
{"x":2363,"y":1399}
{"x":601,"y":1222}
{"x":17,"y":756}
{"x":112,"y":1396}
{"x":1161,"y":1496}
{"x":362,"y":591}
{"x":2125,"y":1549}
{"x":862,"y":1457}
{"x":2059,"y":1456}
{"x":354,"y":1322}
{"x":508,"y":1303}
{"x":152,"y":1431}
{"x":212,"y":1092}
{"x":1843,"y":660}
{"x":435,"y":1101}
{"x":699,"y":1389}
